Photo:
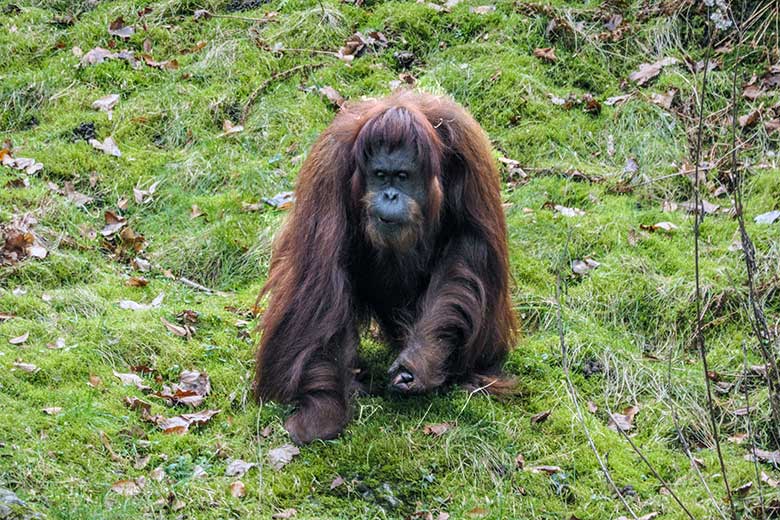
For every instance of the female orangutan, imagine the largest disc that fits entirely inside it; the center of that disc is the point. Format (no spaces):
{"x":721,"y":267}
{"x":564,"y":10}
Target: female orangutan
{"x":398,"y":217}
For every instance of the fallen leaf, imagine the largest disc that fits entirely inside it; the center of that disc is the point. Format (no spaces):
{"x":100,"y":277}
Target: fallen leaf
{"x":128,"y":488}
{"x":749,"y":119}
{"x":770,"y":457}
{"x":137,"y":281}
{"x":280,"y":457}
{"x":180,"y":424}
{"x":130,"y":379}
{"x":742,"y":490}
{"x":623,"y":421}
{"x":568,"y":212}
{"x":19,"y":339}
{"x":106,"y":103}
{"x":546,"y":53}
{"x":482,"y":9}
{"x":769,"y":481}
{"x":135,"y":306}
{"x":191,"y":390}
{"x":767,"y":218}
{"x":437,"y":430}
{"x":78,"y":199}
{"x":283,"y":200}
{"x":648,"y":71}
{"x":5,"y":316}
{"x":664,"y":100}
{"x":95,"y":381}
{"x":549,"y":470}
{"x":58,"y":344}
{"x":617,"y":100}
{"x":592,"y":408}
{"x":27,"y":165}
{"x":141,"y":462}
{"x":336,"y":482}
{"x":108,"y":146}
{"x":706,"y":207}
{"x":584,"y":266}
{"x":229,"y":128}
{"x":541,"y":417}
{"x":519,"y":461}
{"x":176,"y":329}
{"x":662,"y":226}
{"x":119,"y":29}
{"x":332,"y":95}
{"x":196,"y":212}
{"x":237,"y":489}
{"x":738,"y":438}
{"x":53,"y":410}
{"x":26,"y":367}
{"x":287,"y":513}
{"x":238,"y":468}
{"x":144,"y":196}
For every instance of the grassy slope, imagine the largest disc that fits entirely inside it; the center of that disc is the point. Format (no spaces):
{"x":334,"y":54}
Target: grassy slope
{"x":638,"y":301}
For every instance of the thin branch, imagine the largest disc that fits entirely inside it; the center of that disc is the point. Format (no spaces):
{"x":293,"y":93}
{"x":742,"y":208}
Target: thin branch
{"x":650,"y":466}
{"x":570,"y":385}
{"x":698,"y":215}
{"x":275,"y":77}
{"x":758,"y":321}
{"x":684,"y":441}
{"x":749,"y":423}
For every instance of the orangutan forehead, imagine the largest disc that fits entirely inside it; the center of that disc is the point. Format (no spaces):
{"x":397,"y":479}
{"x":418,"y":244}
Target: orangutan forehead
{"x":395,"y":128}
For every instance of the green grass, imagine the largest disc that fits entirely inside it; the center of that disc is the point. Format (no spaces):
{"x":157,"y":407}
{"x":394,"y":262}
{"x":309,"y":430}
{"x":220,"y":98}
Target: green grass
{"x":630,"y":314}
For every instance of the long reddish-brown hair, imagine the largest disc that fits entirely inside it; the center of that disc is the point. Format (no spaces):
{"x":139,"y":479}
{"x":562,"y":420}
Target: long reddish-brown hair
{"x":313,"y":306}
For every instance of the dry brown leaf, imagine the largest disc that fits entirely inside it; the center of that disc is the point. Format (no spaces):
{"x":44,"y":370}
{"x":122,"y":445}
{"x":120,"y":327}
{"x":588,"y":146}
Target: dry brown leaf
{"x":519,"y":461}
{"x":108,"y":146}
{"x":238,"y":468}
{"x":482,"y":9}
{"x":137,"y":281}
{"x":477,"y":512}
{"x":18,"y":340}
{"x":178,"y":330}
{"x":180,"y":424}
{"x":196,"y":212}
{"x":130,"y":305}
{"x":95,"y":381}
{"x":660,"y":226}
{"x":332,"y":95}
{"x":584,"y":266}
{"x":228,"y":128}
{"x":770,"y":457}
{"x":119,"y":29}
{"x":287,"y":513}
{"x":52,"y":410}
{"x":648,"y":71}
{"x":541,"y":417}
{"x":237,"y":489}
{"x":623,"y":421}
{"x":129,"y":379}
{"x":437,"y":430}
{"x":749,"y":119}
{"x":549,"y":470}
{"x":128,"y":488}
{"x":336,"y":482}
{"x":281,"y":456}
{"x":546,"y":53}
{"x":26,"y":367}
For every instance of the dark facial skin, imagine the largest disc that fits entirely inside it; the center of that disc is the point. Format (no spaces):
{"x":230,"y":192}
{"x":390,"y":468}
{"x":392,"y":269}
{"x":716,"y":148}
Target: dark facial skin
{"x":395,"y":188}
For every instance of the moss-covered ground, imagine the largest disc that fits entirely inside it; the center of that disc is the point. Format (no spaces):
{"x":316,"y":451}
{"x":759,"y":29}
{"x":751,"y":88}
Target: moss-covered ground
{"x":623,"y":320}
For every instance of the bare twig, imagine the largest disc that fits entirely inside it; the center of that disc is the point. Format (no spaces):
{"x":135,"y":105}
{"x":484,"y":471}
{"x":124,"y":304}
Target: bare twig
{"x":209,"y":14}
{"x":650,"y":466}
{"x":570,"y":385}
{"x":749,"y":423}
{"x":698,"y":215}
{"x":195,"y":285}
{"x":684,"y":441}
{"x":275,"y":77}
{"x":758,"y":321}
